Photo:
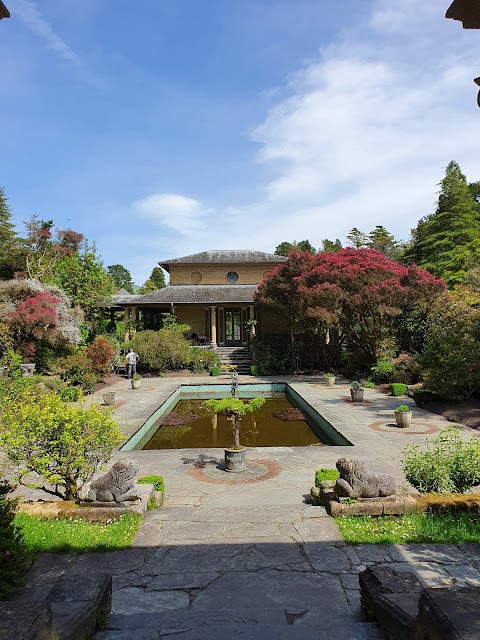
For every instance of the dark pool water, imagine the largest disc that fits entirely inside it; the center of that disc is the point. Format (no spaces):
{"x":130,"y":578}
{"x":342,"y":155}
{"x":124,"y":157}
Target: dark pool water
{"x":258,"y":429}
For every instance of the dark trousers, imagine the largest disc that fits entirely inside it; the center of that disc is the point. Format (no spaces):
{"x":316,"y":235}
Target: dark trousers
{"x":131,"y":370}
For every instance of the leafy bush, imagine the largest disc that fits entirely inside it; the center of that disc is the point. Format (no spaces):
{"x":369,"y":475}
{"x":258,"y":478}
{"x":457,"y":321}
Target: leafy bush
{"x":422,"y":396}
{"x":452,"y":352}
{"x":202,"y":359}
{"x":101,"y":354}
{"x":448,"y":465}
{"x":403,"y":408}
{"x":70,"y":394}
{"x":77,"y":370}
{"x":13,"y":552}
{"x":215,"y":371}
{"x":163,"y":349}
{"x":406,"y":369}
{"x":273,"y":356}
{"x":63,"y":444}
{"x":369,"y":384}
{"x":254,"y":370}
{"x":383,"y":370}
{"x":398,"y":389}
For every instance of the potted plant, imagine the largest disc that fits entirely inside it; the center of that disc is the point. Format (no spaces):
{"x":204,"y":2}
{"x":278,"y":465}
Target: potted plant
{"x":234,"y":408}
{"x":135,"y":380}
{"x":356,"y":391}
{"x":403,"y":415}
{"x":329,"y":379}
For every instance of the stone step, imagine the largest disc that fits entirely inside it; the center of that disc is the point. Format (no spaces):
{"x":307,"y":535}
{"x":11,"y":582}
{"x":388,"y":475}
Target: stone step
{"x":76,"y":600}
{"x":222,"y":624}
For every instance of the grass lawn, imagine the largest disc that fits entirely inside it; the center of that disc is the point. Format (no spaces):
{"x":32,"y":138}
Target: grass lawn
{"x":454,"y":528}
{"x":77,"y":536}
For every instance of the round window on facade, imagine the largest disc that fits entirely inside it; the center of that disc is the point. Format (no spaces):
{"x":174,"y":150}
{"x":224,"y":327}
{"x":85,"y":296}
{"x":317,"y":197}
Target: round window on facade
{"x":232,"y":276}
{"x":195,"y":277}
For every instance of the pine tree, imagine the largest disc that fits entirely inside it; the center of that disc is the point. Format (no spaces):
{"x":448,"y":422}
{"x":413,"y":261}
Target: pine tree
{"x":447,"y":243}
{"x":382,"y":240}
{"x":9,"y":247}
{"x":357,"y":238}
{"x":157,"y":278}
{"x":148,"y":287}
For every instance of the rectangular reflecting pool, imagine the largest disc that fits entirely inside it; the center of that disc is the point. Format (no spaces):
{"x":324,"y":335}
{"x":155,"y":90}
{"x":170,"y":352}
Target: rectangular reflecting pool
{"x":285,"y":420}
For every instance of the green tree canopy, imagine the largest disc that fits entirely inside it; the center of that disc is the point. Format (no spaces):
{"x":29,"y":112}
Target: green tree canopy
{"x":284,"y":248}
{"x":147,"y":287}
{"x":381,"y":240}
{"x":357,"y":239}
{"x":447,"y":243}
{"x":9,"y":244}
{"x":121,"y":277}
{"x":330,"y":245}
{"x":157,"y":278}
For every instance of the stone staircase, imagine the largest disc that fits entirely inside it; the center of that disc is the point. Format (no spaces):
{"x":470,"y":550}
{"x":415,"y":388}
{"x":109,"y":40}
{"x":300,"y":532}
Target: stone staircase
{"x":226,"y":572}
{"x":238,"y":356}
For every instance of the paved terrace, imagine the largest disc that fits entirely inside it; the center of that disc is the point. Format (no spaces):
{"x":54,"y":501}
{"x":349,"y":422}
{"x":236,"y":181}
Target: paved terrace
{"x":241,"y":555}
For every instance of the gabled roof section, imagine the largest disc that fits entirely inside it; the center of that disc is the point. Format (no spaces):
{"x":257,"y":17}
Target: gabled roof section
{"x":192,"y":294}
{"x":236,"y":256}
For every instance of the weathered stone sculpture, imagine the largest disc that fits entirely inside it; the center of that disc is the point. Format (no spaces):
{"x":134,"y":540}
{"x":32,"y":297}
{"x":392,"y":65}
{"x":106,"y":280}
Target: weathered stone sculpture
{"x":357,"y":481}
{"x":115,"y":486}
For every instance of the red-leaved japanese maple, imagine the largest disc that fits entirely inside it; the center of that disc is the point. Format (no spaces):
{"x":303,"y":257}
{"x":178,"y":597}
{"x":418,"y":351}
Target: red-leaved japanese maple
{"x":352,"y":297}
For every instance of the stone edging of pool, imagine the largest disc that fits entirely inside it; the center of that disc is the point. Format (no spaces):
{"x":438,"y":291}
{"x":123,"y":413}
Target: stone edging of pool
{"x":138,"y":440}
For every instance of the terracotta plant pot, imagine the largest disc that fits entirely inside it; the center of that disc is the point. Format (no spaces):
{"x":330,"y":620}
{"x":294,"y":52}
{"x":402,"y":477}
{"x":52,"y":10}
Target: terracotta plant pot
{"x":403,"y":418}
{"x":330,"y":381}
{"x":357,"y":394}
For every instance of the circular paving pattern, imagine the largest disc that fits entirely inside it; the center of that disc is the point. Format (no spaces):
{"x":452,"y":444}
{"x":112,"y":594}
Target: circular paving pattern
{"x":415,"y":428}
{"x":256,"y":471}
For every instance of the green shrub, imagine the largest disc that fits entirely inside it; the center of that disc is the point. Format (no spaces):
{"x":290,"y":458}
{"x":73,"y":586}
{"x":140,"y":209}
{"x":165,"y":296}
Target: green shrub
{"x":254,"y":370}
{"x":403,"y":408}
{"x":164,"y":349}
{"x":422,"y":396}
{"x":63,"y":444}
{"x":13,"y":552}
{"x":325,"y":474}
{"x":70,"y":394}
{"x":369,"y":384}
{"x":398,"y":389}
{"x":452,"y":352}
{"x":449,"y":464}
{"x":215,"y":371}
{"x":383,"y":370}
{"x":201,"y":359}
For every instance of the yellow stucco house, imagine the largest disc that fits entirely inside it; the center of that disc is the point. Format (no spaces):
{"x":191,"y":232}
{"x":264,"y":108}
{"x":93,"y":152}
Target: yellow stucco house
{"x":212,"y":291}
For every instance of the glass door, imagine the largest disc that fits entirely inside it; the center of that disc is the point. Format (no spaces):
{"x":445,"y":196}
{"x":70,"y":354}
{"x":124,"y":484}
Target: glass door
{"x":233,"y":327}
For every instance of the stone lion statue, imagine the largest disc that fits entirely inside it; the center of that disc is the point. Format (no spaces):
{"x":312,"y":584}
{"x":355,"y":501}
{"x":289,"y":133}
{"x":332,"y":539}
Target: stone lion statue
{"x":357,"y":481}
{"x":115,"y":486}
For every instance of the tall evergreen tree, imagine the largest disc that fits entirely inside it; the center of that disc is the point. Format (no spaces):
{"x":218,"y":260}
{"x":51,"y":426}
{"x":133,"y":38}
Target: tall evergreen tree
{"x":357,"y":239}
{"x":382,"y":240}
{"x":158,"y":278}
{"x":447,"y":243}
{"x":9,"y":246}
{"x":121,"y":277}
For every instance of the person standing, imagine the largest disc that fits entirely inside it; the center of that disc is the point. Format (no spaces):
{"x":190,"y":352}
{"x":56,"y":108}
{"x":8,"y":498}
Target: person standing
{"x":131,"y":359}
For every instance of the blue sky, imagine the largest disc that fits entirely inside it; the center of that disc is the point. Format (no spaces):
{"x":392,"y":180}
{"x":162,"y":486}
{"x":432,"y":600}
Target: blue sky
{"x":165,"y":127}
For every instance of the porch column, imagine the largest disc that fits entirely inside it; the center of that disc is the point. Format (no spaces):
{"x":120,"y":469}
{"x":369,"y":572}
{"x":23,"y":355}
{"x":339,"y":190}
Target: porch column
{"x":213,"y":326}
{"x":134,"y":319}
{"x":251,"y":316}
{"x":126,"y":319}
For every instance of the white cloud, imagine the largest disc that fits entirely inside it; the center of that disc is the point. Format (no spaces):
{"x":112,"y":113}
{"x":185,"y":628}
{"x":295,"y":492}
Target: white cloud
{"x":28,"y":12}
{"x":182,"y":214}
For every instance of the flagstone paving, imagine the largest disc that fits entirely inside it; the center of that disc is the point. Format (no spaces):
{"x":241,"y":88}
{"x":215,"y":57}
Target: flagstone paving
{"x":232,"y":558}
